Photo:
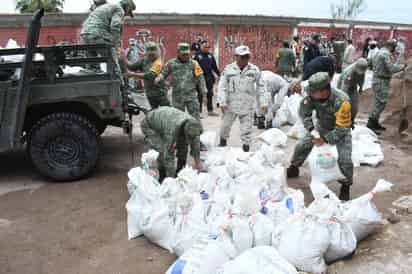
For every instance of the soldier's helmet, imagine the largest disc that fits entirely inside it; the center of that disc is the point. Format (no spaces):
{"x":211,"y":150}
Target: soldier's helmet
{"x":361,"y":65}
{"x":318,"y":81}
{"x":183,"y":48}
{"x":391,"y":43}
{"x":150,"y":48}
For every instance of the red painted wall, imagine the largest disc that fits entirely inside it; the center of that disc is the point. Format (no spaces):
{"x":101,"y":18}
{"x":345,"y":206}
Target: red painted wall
{"x":263,"y":40}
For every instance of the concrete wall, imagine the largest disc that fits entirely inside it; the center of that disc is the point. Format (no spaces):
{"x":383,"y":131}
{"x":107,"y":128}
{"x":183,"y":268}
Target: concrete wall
{"x":263,"y":34}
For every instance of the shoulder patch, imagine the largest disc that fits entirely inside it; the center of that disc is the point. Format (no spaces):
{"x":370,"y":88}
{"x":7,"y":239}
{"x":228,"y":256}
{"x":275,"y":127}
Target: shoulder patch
{"x":343,"y":116}
{"x":157,"y":67}
{"x":197,"y":71}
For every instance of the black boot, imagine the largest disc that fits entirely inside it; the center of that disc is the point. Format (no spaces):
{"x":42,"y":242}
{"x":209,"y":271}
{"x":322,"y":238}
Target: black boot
{"x":255,"y":120}
{"x":246,"y":148}
{"x":380,"y":127}
{"x":292,"y":172}
{"x":162,"y":174}
{"x":373,"y":125}
{"x":223,"y":142}
{"x":344,"y":193}
{"x":268,"y":124}
{"x":261,"y":122}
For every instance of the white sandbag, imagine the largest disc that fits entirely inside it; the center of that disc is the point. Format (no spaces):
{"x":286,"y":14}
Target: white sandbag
{"x":343,"y":241}
{"x":274,"y":137}
{"x":368,"y":80}
{"x":298,"y":131}
{"x":204,"y":257}
{"x":293,"y":103}
{"x":362,"y":215}
{"x":365,"y":147}
{"x":268,"y":155}
{"x":134,"y":215}
{"x":281,"y":117}
{"x":323,"y":164}
{"x":262,"y":229}
{"x":263,"y":259}
{"x":303,"y":241}
{"x":209,"y":139}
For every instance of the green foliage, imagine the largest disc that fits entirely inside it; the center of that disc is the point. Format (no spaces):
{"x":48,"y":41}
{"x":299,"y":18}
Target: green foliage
{"x":347,"y":9}
{"x":30,"y":6}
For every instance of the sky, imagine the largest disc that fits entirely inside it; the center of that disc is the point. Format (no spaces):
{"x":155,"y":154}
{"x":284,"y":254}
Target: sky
{"x":397,"y":11}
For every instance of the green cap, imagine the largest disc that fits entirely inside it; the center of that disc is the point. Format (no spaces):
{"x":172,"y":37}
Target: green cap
{"x":130,"y":4}
{"x":361,"y":66}
{"x":150,"y":47}
{"x":193,"y":129}
{"x":293,"y":83}
{"x":183,"y":48}
{"x":318,"y":81}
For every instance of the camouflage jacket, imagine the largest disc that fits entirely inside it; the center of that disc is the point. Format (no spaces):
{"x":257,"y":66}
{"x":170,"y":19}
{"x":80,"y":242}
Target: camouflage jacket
{"x":334,"y":116}
{"x":382,"y":65}
{"x":151,"y":70}
{"x":239,"y":89}
{"x":168,"y":123}
{"x":286,"y":60}
{"x":186,"y":77}
{"x":105,"y":22}
{"x":349,"y":80}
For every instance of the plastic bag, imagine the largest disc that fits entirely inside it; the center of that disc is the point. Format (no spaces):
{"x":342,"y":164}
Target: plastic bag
{"x":273,"y":137}
{"x":262,"y":229}
{"x":362,"y":215}
{"x":209,"y":139}
{"x":293,"y":104}
{"x":365,"y":147}
{"x":268,"y":155}
{"x":298,"y":131}
{"x":263,"y":259}
{"x":343,"y":241}
{"x":323,"y":164}
{"x":204,"y":257}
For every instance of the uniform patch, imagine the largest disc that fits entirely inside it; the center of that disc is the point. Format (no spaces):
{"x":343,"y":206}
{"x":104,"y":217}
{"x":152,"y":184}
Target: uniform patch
{"x":157,"y":67}
{"x":343,"y":116}
{"x":197,"y":70}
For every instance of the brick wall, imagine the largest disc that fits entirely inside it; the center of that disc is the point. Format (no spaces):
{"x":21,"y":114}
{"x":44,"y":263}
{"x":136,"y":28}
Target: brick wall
{"x":262,"y":34}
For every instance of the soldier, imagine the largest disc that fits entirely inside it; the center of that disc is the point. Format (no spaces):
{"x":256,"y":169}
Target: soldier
{"x":105,"y":26}
{"x":276,"y":89}
{"x":333,"y":111}
{"x":285,"y":60}
{"x":132,"y":56}
{"x":239,"y":87}
{"x":319,"y":64}
{"x":148,"y":69}
{"x":351,"y":82}
{"x":169,"y":131}
{"x":186,"y":76}
{"x":383,"y":69}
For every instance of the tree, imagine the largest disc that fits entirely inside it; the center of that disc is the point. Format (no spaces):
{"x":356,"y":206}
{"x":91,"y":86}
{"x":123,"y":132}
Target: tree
{"x":347,"y":9}
{"x":29,"y":6}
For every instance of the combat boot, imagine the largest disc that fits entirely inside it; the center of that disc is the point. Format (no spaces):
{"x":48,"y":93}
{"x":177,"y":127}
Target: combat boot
{"x":373,"y":125}
{"x":268,"y":124}
{"x":246,"y":148}
{"x":255,"y":120}
{"x":261,"y":122}
{"x":223,"y":142}
{"x":292,"y":171}
{"x":344,"y":194}
{"x":380,"y":127}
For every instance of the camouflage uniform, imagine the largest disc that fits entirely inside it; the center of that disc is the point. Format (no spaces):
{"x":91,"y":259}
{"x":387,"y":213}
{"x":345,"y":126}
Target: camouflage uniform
{"x":156,"y":93}
{"x":104,"y":25}
{"x":186,"y":76}
{"x":334,"y":122}
{"x":383,"y":69}
{"x":351,"y":82}
{"x":238,"y":90}
{"x":166,"y":126}
{"x":286,"y":62}
{"x":132,"y":55}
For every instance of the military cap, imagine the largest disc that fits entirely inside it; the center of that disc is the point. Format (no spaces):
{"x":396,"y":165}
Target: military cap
{"x":318,"y":81}
{"x":293,"y":83}
{"x":361,"y":65}
{"x":242,"y":50}
{"x":150,"y":47}
{"x":193,"y":128}
{"x":183,"y":48}
{"x":392,"y":43}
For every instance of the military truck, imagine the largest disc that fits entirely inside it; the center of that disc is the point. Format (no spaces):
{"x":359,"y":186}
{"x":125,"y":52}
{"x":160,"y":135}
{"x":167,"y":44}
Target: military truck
{"x":57,"y":115}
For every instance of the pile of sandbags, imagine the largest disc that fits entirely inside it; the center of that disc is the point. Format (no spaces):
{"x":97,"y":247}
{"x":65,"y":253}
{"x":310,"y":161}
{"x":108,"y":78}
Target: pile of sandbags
{"x":241,"y":216}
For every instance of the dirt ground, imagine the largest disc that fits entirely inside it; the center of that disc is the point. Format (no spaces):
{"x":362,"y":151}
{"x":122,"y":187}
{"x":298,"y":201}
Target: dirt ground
{"x":81,"y":227}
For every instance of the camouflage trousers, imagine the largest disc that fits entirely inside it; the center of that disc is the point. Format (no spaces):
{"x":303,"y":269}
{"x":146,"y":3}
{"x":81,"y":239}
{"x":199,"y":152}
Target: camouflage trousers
{"x":89,"y":39}
{"x":159,"y":100}
{"x":354,"y":101}
{"x":381,"y":88}
{"x":166,"y":160}
{"x":344,"y":147}
{"x":191,"y":104}
{"x":246,"y":124}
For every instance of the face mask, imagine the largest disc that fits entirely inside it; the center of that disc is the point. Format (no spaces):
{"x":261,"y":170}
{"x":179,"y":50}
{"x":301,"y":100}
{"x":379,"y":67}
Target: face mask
{"x":321,"y":101}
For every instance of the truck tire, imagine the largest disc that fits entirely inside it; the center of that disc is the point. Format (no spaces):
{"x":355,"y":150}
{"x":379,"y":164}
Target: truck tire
{"x":64,"y":146}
